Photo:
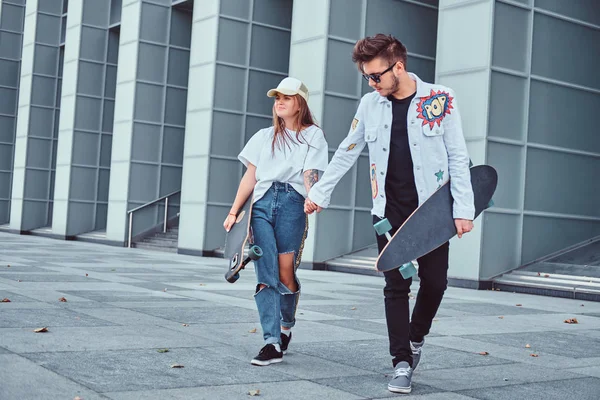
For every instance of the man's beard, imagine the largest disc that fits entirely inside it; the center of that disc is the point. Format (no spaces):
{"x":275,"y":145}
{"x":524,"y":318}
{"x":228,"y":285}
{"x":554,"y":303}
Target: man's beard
{"x":394,"y":88}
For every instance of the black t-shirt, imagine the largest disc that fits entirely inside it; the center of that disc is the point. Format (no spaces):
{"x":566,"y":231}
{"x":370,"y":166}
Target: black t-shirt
{"x":400,"y":189}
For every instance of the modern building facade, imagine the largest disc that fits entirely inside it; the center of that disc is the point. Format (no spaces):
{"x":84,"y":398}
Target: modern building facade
{"x":109,"y":106}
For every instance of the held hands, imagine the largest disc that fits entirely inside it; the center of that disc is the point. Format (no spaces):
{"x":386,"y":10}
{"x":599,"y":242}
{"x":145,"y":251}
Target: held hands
{"x":310,"y":206}
{"x":229,"y":221}
{"x":463,"y":226}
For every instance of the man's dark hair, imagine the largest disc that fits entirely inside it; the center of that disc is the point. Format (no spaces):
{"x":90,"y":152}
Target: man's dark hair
{"x":386,"y":47}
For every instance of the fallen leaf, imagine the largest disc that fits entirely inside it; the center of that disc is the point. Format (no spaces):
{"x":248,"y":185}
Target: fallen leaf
{"x":519,"y":305}
{"x":533,"y":355}
{"x":113,"y":269}
{"x":353,"y":308}
{"x":527,"y":346}
{"x":505,"y":379}
{"x":497,"y":289}
{"x":571,"y":321}
{"x":5,"y":300}
{"x":539,"y":274}
{"x":18,"y":280}
{"x":163,"y":350}
{"x":185,"y":324}
{"x":435,"y":320}
{"x":176,"y":366}
{"x":86,"y":274}
{"x":165,"y":289}
{"x":501,"y":317}
{"x":582,"y":305}
{"x":40,"y":330}
{"x":255,"y":392}
{"x":202,"y":284}
{"x":253,"y":330}
{"x":62,"y":299}
{"x":484,"y":353}
{"x":546,"y":276}
{"x":8,"y":266}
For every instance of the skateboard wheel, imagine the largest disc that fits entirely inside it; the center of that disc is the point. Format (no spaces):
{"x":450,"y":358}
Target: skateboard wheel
{"x":255,"y":253}
{"x":408,"y":270}
{"x":382,"y":227}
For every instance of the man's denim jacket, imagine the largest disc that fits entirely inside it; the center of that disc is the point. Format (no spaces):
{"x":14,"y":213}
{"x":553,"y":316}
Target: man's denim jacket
{"x":436,"y":141}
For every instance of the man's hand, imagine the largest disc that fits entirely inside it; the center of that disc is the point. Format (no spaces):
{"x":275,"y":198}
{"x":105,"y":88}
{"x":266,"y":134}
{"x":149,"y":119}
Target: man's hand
{"x":310,"y":206}
{"x":462,"y":226}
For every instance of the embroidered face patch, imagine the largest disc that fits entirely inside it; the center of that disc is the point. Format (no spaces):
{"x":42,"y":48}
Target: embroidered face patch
{"x":354,"y":123}
{"x":374,"y":187}
{"x":434,"y":108}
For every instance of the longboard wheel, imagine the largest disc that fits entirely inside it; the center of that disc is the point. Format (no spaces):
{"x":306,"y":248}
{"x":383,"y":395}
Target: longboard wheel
{"x":255,"y":252}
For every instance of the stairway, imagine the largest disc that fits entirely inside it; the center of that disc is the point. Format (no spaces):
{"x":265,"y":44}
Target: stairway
{"x":574,"y":274}
{"x":162,"y":241}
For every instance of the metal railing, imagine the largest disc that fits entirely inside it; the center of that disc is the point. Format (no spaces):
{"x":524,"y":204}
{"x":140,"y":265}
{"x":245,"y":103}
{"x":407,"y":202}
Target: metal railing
{"x":130,"y":213}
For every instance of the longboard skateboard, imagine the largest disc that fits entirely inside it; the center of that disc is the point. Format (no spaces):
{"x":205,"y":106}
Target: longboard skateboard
{"x":235,"y":243}
{"x":432,"y":224}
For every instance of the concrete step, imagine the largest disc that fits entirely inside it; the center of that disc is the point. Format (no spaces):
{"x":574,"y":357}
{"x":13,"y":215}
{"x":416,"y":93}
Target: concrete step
{"x":159,"y":239}
{"x":146,"y":246}
{"x":568,"y":286}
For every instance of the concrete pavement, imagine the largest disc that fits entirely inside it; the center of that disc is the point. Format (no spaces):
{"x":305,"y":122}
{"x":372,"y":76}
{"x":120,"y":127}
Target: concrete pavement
{"x":124,"y":306}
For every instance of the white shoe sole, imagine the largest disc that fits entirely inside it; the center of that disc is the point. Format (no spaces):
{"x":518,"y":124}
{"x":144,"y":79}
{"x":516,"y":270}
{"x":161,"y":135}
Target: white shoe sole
{"x":396,"y":389}
{"x":268,"y":362}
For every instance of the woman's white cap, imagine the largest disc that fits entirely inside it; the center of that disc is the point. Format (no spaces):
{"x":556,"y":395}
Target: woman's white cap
{"x":289,"y":87}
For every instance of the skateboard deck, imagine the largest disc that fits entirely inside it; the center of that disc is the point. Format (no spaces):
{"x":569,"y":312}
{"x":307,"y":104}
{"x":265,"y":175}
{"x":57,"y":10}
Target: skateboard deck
{"x":432,"y":224}
{"x":235,"y":243}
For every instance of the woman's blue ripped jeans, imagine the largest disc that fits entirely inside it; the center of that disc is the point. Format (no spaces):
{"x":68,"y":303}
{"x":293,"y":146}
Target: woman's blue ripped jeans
{"x":279,"y":226}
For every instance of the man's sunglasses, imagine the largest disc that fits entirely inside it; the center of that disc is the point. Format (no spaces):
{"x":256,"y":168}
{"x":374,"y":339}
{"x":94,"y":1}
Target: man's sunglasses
{"x":377,"y":77}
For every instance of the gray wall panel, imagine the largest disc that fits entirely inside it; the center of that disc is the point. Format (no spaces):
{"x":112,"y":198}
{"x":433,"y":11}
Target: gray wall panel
{"x":550,"y":34}
{"x":584,"y":10}
{"x":235,"y":8}
{"x":406,"y":21}
{"x":500,"y":236}
{"x":511,"y":26}
{"x":562,"y":183}
{"x":351,"y":25}
{"x":42,"y":99}
{"x":562,"y":117}
{"x":508,"y":161}
{"x":537,"y":128}
{"x":542,"y":235}
{"x":160,"y":109}
{"x":507,"y":106}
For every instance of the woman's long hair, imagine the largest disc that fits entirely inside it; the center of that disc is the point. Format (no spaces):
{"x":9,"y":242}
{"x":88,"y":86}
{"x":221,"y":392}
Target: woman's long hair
{"x":304,"y":119}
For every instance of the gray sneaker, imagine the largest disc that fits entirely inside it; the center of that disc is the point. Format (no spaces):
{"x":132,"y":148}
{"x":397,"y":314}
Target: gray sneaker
{"x":402,"y":378}
{"x":416,"y":348}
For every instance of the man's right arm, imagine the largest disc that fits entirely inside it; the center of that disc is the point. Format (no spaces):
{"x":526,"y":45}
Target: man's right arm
{"x":343,"y":159}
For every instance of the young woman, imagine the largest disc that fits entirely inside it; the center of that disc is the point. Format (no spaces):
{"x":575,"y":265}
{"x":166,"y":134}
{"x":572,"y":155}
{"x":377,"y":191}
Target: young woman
{"x":283,"y":162}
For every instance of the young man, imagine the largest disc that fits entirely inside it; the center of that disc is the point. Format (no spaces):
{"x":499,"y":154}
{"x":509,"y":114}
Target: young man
{"x":414,"y":134}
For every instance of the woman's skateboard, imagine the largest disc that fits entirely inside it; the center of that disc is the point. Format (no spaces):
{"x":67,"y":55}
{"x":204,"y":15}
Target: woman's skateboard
{"x":432,"y":224}
{"x":235,"y":242}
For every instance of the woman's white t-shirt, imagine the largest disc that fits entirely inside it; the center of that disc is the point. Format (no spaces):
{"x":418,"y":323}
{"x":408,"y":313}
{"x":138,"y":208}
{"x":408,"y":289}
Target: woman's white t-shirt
{"x":288,"y":162}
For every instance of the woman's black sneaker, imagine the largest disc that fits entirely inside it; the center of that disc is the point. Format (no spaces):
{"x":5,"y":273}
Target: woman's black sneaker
{"x":268,"y":355}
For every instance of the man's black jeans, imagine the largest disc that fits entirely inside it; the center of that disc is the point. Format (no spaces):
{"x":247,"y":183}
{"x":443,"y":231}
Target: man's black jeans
{"x":433,"y":275}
